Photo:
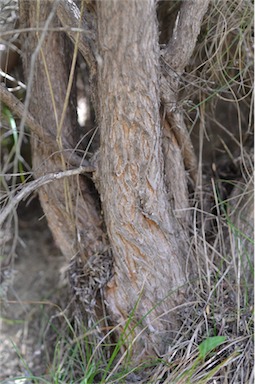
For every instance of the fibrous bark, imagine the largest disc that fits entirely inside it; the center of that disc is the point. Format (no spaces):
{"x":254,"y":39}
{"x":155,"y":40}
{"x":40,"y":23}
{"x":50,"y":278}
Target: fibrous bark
{"x":148,"y":242}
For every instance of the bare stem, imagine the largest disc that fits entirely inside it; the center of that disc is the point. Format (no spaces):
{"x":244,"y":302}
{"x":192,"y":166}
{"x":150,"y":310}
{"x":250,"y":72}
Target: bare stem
{"x":34,"y":185}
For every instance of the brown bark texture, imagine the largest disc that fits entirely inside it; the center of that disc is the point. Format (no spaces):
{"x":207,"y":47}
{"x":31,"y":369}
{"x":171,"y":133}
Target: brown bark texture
{"x":140,"y":175}
{"x":149,"y":244}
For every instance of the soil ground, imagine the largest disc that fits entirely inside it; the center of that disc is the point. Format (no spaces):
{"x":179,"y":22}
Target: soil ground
{"x":24,"y":317}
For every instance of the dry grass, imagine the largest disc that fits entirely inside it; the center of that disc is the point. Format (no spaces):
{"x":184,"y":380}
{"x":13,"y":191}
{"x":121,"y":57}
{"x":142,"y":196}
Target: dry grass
{"x":220,"y":116}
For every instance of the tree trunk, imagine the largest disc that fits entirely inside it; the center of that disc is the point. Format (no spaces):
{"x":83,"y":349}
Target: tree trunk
{"x":149,"y":245}
{"x":140,"y":172}
{"x":70,"y":205}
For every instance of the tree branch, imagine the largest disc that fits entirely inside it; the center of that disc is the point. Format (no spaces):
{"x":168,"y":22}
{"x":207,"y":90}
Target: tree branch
{"x":34,"y":185}
{"x":134,"y":200}
{"x":17,"y":107}
{"x":71,"y":17}
{"x":186,"y":31}
{"x":175,"y":58}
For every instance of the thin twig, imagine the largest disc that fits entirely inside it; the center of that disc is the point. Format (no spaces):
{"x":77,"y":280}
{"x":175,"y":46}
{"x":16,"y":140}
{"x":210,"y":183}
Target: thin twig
{"x":34,"y":185}
{"x":11,"y":78}
{"x":17,"y":107}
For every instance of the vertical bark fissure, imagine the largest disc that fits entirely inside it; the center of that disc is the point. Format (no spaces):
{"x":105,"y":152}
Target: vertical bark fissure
{"x":148,"y":242}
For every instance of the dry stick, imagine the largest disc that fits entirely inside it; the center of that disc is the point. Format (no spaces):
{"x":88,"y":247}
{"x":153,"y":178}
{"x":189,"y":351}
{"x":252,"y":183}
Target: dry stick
{"x":33,"y":185}
{"x":17,"y":107}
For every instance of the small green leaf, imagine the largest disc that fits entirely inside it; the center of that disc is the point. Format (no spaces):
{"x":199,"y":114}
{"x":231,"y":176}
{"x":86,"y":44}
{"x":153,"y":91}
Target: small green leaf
{"x":209,"y":344}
